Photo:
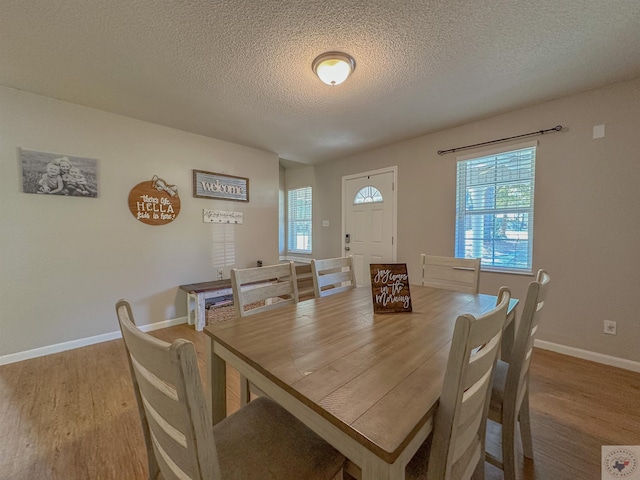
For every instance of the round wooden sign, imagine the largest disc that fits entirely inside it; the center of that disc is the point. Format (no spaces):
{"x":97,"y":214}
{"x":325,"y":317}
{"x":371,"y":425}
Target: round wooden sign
{"x":154,"y":202}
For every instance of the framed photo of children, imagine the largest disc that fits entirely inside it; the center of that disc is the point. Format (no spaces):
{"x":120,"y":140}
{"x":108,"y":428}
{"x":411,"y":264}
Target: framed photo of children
{"x":47,"y":173}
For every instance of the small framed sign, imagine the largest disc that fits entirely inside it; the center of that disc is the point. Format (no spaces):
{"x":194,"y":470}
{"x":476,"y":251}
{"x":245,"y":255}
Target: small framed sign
{"x":390,"y":287}
{"x":217,"y":185}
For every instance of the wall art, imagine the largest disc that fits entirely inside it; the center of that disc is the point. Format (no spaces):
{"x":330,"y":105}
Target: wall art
{"x":48,"y":173}
{"x":220,"y":186}
{"x":154,"y":202}
{"x":220,"y":216}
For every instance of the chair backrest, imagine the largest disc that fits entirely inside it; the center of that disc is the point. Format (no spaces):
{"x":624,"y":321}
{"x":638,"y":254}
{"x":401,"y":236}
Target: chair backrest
{"x":460,"y":422}
{"x":263,"y":288}
{"x":333,"y":275}
{"x":459,"y":274}
{"x":175,"y":420}
{"x":520,"y":358}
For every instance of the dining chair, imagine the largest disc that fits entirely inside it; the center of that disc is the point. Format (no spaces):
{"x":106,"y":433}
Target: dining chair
{"x":510,"y":393}
{"x":459,"y":274}
{"x":455,"y":450}
{"x":259,"y":289}
{"x":260,"y":441}
{"x":333,"y":275}
{"x":262,"y":288}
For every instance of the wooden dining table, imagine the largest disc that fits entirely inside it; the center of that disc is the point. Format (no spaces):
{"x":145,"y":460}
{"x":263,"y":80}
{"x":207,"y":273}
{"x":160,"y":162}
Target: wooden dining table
{"x":367,"y":383}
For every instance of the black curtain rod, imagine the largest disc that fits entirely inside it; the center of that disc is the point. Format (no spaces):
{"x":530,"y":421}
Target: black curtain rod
{"x":557,"y":128}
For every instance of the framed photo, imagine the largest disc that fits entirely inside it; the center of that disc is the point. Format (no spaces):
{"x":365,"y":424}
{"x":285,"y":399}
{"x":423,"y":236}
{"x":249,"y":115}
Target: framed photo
{"x":220,"y":186}
{"x":47,"y":173}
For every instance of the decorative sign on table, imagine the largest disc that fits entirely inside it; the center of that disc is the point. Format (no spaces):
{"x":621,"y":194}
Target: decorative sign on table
{"x":217,"y":185}
{"x":154,"y":202}
{"x":390,"y":287}
{"x":220,"y":216}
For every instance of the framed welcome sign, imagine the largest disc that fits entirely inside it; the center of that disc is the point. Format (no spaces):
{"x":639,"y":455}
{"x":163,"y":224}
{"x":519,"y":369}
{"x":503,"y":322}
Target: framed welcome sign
{"x":390,"y":287}
{"x":217,"y":185}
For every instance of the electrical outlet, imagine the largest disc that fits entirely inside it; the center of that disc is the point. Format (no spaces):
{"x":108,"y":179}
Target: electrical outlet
{"x":220,"y":273}
{"x":609,"y":327}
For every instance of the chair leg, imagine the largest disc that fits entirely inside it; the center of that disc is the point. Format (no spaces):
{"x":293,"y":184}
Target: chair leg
{"x":509,"y":447}
{"x":525,"y":427}
{"x":478,"y":473}
{"x":245,"y":393}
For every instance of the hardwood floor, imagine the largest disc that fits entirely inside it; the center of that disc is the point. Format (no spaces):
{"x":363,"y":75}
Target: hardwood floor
{"x":72,"y":415}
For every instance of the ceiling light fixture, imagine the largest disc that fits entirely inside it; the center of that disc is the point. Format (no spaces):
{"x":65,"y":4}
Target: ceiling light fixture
{"x":333,"y":68}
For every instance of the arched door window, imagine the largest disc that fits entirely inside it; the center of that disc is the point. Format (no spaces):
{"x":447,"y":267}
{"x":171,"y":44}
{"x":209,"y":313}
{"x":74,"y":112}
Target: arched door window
{"x":368,"y":194}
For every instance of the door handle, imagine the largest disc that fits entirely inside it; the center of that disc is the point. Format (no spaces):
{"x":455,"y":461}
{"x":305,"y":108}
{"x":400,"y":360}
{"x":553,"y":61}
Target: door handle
{"x":347,"y":248}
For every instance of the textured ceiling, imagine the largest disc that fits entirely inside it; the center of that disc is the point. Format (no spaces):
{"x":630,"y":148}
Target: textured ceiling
{"x":240,"y":70}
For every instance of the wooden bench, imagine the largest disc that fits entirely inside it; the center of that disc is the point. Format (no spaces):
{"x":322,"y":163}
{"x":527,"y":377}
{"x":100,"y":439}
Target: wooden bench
{"x":197,"y":296}
{"x":304,"y":276}
{"x":200,"y":294}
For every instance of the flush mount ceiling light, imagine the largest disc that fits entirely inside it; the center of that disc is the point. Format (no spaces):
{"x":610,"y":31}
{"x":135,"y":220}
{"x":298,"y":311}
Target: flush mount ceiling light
{"x":333,"y":68}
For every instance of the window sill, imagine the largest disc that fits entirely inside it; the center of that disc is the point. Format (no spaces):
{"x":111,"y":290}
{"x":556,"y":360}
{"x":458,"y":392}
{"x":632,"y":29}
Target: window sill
{"x":298,"y":258}
{"x":526,"y":273}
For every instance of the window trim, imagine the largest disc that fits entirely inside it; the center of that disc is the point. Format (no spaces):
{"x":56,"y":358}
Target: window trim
{"x":531,"y":209}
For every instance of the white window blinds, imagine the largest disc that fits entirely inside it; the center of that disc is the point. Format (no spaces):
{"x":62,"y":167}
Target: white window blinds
{"x":299,"y":220}
{"x":494,"y":208}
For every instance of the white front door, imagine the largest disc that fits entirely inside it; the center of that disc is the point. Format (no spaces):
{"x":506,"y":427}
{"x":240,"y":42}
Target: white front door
{"x":369,"y":219}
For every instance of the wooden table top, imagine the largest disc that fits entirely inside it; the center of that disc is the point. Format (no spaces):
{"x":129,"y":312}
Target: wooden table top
{"x":377,"y":377}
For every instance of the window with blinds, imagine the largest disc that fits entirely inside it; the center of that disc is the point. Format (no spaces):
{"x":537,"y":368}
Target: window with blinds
{"x":299,"y":220}
{"x":494,"y":208}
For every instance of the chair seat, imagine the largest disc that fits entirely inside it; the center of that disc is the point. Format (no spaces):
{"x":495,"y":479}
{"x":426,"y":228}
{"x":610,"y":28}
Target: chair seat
{"x":264,"y":430}
{"x":497,"y":393}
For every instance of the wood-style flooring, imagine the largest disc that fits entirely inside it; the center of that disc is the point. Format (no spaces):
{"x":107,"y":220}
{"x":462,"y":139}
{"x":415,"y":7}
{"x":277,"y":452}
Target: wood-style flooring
{"x":73,"y":416}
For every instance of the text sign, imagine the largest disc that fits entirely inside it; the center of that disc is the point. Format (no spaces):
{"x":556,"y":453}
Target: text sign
{"x":154,"y":202}
{"x":390,"y":287}
{"x":220,"y":216}
{"x":223,"y":187}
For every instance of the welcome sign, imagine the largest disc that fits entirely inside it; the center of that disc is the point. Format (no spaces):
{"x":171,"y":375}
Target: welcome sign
{"x":390,"y":287}
{"x":217,"y":185}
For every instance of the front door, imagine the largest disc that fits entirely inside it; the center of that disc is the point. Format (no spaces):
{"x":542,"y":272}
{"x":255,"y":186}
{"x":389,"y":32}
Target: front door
{"x":369,"y":219}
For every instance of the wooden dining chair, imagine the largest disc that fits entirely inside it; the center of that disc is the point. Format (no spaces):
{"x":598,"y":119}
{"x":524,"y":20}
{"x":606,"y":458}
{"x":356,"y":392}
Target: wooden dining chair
{"x":333,"y":275}
{"x":260,"y":289}
{"x":455,"y":450}
{"x":510,"y":394}
{"x":260,"y":441}
{"x":459,"y":274}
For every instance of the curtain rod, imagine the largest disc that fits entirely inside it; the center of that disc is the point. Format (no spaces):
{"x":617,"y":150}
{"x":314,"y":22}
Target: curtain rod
{"x":557,"y":128}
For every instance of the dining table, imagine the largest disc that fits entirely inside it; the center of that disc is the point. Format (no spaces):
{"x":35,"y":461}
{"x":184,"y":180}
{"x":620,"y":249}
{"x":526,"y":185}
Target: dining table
{"x":368,"y":383}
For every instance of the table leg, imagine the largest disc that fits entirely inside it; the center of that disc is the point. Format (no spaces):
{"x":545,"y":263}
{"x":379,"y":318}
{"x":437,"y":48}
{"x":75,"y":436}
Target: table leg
{"x":216,"y":384}
{"x":374,"y":468}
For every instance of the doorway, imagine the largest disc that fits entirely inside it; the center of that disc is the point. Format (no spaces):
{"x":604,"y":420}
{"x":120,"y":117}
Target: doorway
{"x":369,"y":210}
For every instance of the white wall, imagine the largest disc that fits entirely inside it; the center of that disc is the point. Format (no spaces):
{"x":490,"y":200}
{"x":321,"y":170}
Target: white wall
{"x":587,"y":215}
{"x":65,"y":261}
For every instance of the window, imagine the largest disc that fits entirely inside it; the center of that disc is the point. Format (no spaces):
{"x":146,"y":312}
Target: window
{"x":368,"y":194}
{"x":494,"y":208}
{"x":299,"y":224}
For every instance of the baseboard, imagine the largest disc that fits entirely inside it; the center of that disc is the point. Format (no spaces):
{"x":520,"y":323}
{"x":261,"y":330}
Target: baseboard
{"x":588,"y":355}
{"x":83,"y":342}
